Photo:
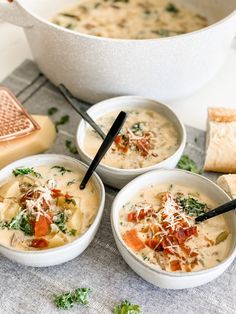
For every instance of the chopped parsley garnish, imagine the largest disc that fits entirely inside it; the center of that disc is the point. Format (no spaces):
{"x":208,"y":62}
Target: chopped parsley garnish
{"x":52,"y":111}
{"x":69,"y":183}
{"x":22,"y":222}
{"x":60,"y":220}
{"x":172,"y":8}
{"x":25,"y":171}
{"x":137,"y":127}
{"x":72,"y":232}
{"x":166,"y":32}
{"x":74,"y":16}
{"x":188,"y":164}
{"x":127,"y":308}
{"x":67,"y":300}
{"x":61,"y":169}
{"x":71,"y":147}
{"x":63,"y":120}
{"x":192,"y":206}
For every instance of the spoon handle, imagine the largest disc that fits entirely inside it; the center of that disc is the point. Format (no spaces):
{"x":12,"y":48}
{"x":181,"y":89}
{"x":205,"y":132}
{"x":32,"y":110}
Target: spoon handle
{"x":74,"y":103}
{"x":217,"y":211}
{"x":114,"y":130}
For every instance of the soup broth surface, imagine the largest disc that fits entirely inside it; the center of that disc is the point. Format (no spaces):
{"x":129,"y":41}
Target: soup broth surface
{"x":43,"y":207}
{"x":130,"y":19}
{"x":158,"y":226}
{"x":146,"y":139}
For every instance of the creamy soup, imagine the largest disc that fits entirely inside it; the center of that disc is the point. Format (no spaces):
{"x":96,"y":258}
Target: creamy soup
{"x":43,"y":207}
{"x":146,"y":139}
{"x":158,"y":225}
{"x":131,"y":19}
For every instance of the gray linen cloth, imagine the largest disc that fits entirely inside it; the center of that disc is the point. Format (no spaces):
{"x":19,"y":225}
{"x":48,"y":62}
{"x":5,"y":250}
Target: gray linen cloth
{"x":100,"y":267}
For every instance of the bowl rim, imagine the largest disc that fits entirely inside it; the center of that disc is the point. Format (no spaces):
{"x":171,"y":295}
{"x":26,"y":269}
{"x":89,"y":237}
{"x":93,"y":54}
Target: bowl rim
{"x":120,"y":40}
{"x":91,"y":228}
{"x":129,"y":98}
{"x":148,"y":267}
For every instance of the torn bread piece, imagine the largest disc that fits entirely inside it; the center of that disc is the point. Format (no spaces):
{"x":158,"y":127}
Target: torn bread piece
{"x":228,"y":183}
{"x":221,"y":141}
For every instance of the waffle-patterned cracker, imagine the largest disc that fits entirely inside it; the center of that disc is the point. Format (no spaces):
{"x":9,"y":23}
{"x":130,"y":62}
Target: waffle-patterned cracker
{"x":15,"y":122}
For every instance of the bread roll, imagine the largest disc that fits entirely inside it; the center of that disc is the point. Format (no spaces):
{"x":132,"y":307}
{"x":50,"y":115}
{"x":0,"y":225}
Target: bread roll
{"x":221,"y":141}
{"x":228,"y":183}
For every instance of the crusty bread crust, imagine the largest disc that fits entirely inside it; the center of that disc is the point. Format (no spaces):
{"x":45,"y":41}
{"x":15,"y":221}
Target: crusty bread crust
{"x":221,"y":141}
{"x":221,"y":114}
{"x":228,"y":183}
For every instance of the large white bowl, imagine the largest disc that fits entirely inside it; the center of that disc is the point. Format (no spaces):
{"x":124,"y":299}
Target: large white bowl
{"x":96,"y":68}
{"x":119,"y":177}
{"x":66,"y":252}
{"x":162,"y":278}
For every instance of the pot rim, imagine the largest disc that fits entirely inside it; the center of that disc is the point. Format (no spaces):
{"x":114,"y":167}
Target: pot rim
{"x":226,"y":262}
{"x":120,"y":40}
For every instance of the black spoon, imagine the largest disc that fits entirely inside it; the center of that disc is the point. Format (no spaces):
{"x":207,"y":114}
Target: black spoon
{"x":114,"y":130}
{"x":75,"y":104}
{"x":217,"y":211}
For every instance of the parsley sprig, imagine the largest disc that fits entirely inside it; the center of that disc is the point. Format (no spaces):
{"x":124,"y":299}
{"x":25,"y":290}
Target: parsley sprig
{"x":63,"y":120}
{"x":192,"y":206}
{"x":67,"y":300}
{"x":72,"y":148}
{"x":186,"y":163}
{"x":61,"y":169}
{"x":127,"y":308}
{"x":52,"y":111}
{"x":25,"y":171}
{"x":22,"y":222}
{"x":60,"y":220}
{"x":172,"y":8}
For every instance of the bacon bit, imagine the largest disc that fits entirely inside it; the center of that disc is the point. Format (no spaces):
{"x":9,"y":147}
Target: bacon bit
{"x":187,"y":268}
{"x":154,"y":155}
{"x":45,"y":205}
{"x":122,"y":143}
{"x":191,"y":231}
{"x":154,"y":244}
{"x":180,"y":236}
{"x":194,"y":263}
{"x":132,"y":240}
{"x":39,"y":243}
{"x":175,"y":265}
{"x":132,"y":217}
{"x":67,"y":196}
{"x":209,"y":240}
{"x":143,"y":146}
{"x":56,"y":193}
{"x":27,"y":196}
{"x":41,"y":227}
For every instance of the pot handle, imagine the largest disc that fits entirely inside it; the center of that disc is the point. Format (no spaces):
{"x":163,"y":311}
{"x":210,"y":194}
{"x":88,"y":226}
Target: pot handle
{"x":13,"y":13}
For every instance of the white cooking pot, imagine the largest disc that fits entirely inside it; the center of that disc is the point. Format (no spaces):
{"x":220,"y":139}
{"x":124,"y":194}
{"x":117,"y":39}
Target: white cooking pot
{"x":95,"y":68}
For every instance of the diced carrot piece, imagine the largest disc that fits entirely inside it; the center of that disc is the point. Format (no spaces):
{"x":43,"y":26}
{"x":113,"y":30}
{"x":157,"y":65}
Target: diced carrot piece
{"x":41,"y":226}
{"x":39,"y":243}
{"x":132,"y":240}
{"x":175,"y":265}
